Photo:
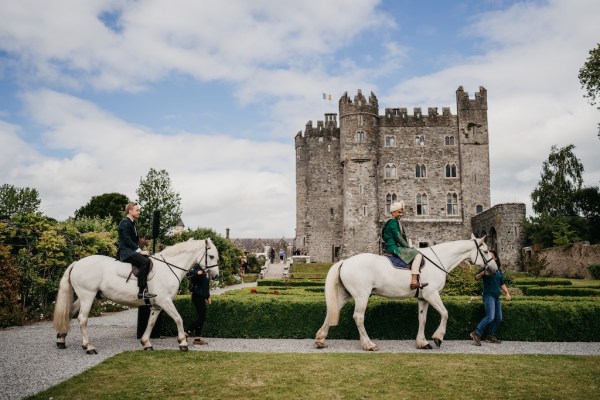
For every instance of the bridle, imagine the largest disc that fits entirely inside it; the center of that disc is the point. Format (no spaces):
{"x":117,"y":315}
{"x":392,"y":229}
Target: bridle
{"x":198,"y":263}
{"x":479,"y":252}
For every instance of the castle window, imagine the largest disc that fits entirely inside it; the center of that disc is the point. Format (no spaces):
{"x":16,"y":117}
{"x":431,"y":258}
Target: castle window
{"x":450,"y":170}
{"x":361,"y":120}
{"x":421,"y":171}
{"x":452,"y":204}
{"x":328,"y":177}
{"x":390,"y":171}
{"x":420,"y":140}
{"x":389,"y":199}
{"x":449,"y":140}
{"x":329,"y":148}
{"x":478,"y":209}
{"x":422,"y":204}
{"x":365,"y":211}
{"x":390,"y":141}
{"x":331,"y":214}
{"x":361,"y":188}
{"x":360,"y":136}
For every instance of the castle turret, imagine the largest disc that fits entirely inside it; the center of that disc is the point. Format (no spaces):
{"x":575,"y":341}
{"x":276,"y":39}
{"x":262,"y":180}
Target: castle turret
{"x":359,"y":141}
{"x":474,"y":153}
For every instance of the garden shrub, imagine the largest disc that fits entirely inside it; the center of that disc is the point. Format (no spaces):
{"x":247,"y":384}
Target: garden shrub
{"x":594,"y":270}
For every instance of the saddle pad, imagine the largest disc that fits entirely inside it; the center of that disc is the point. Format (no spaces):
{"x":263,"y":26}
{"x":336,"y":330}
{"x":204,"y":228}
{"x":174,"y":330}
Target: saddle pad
{"x":124,"y":270}
{"x":397,"y":262}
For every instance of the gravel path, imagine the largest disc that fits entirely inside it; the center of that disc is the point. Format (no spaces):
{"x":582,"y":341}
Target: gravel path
{"x":30,"y":361}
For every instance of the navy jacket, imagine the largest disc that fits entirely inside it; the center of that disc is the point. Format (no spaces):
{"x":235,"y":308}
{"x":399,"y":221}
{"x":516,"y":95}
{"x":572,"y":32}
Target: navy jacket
{"x":128,"y":239}
{"x":198,"y":283}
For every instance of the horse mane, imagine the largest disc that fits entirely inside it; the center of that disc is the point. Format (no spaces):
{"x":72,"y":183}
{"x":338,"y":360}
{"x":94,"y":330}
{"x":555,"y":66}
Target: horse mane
{"x":188,"y":246}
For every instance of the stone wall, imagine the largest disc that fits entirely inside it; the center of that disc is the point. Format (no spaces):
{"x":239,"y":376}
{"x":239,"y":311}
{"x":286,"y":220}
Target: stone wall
{"x":568,"y":261}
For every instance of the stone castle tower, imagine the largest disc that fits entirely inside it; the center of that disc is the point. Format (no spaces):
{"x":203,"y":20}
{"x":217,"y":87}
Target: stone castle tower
{"x":348,"y":176}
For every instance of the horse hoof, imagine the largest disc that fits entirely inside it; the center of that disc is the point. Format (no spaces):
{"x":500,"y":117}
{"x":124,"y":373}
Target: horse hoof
{"x":183,"y":348}
{"x":149,"y":348}
{"x":61,"y":345}
{"x":321,"y":345}
{"x":428,"y":347}
{"x":91,"y":351}
{"x":438,"y":342}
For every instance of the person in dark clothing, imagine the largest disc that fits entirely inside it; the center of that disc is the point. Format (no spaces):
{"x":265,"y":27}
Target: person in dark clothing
{"x":493,"y":286}
{"x":200,"y":290}
{"x":129,"y":249}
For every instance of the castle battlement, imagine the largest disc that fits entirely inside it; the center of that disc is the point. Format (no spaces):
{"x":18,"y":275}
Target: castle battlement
{"x":464,"y":102}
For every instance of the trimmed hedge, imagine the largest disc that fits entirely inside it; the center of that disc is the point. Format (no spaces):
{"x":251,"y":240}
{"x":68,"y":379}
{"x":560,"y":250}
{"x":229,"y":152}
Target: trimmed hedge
{"x":276,"y":313}
{"x":519,"y":282}
{"x":560,"y":291}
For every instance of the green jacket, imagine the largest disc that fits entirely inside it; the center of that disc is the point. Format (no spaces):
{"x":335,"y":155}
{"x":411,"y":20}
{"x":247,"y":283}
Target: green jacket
{"x":395,"y":241}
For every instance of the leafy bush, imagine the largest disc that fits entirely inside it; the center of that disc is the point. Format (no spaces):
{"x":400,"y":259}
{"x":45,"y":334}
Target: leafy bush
{"x":594,"y":270}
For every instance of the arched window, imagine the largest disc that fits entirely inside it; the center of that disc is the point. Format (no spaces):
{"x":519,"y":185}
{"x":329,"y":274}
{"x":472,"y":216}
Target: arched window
{"x":478,"y":209}
{"x":328,"y":177}
{"x":422,"y":208}
{"x":449,"y":140}
{"x":360,"y":136}
{"x":390,"y":141}
{"x":389,"y":199}
{"x":421,"y":171}
{"x":390,"y":171}
{"x":450,"y":170}
{"x":452,"y":204}
{"x":420,"y":140}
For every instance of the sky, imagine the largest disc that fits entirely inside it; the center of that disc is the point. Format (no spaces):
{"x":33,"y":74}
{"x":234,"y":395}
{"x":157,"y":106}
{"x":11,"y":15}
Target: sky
{"x":95,"y":93}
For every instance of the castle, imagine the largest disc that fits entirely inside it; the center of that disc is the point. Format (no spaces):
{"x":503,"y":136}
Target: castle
{"x":347,"y":177}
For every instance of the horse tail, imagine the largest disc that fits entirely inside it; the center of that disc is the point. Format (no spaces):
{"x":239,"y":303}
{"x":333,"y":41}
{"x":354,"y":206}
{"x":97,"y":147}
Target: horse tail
{"x":64,"y":302}
{"x":332,"y":296}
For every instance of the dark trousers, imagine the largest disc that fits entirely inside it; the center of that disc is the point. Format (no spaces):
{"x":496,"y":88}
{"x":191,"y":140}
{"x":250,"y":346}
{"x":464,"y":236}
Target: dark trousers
{"x":200,"y":306}
{"x":143,"y":263}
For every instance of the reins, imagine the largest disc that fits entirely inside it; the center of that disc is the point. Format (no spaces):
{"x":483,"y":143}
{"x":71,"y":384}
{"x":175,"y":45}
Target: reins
{"x":442,"y":268}
{"x":171,"y":266}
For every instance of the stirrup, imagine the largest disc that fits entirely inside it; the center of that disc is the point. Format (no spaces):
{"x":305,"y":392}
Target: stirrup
{"x":414,"y":286}
{"x":146,"y":295}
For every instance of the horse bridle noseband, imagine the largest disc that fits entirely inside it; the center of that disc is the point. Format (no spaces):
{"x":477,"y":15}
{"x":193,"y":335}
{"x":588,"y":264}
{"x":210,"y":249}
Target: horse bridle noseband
{"x":203,"y":268}
{"x":479,"y":252}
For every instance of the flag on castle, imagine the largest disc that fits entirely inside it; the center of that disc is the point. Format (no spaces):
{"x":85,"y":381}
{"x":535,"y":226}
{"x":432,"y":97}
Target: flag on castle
{"x":326,"y":96}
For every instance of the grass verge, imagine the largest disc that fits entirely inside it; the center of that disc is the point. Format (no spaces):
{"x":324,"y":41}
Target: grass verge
{"x":218,"y":375}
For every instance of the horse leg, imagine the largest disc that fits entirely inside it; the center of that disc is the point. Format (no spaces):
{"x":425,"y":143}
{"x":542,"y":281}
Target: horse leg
{"x":168,"y":307}
{"x":422,"y":342}
{"x":324,"y":331}
{"x":145,"y":340}
{"x":85,"y":303}
{"x":436,"y":302}
{"x":360,"y":307}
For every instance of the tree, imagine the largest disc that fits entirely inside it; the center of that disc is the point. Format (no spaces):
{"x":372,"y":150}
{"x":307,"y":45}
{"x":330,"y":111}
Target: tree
{"x":560,"y":181}
{"x":105,"y":205}
{"x":14,"y":200}
{"x":589,"y":77}
{"x":155,"y":194}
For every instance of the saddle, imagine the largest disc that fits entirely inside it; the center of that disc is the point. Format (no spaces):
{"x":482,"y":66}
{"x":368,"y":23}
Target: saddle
{"x":126,"y":273}
{"x":398,"y":263}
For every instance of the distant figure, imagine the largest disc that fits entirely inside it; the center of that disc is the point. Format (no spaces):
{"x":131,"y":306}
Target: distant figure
{"x":272,"y":255}
{"x":281,"y":256}
{"x":243,"y":264}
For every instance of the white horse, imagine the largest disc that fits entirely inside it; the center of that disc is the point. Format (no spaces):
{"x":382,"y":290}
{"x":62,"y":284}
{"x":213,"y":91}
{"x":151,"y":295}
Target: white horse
{"x":104,"y":276}
{"x":364,"y":274}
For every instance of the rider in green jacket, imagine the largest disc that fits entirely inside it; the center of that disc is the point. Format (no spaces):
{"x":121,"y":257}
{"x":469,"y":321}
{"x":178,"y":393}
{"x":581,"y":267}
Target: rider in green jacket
{"x":396,"y":244}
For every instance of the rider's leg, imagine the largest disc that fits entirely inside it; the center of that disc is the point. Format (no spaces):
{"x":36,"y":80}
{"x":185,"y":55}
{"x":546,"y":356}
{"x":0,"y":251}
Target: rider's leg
{"x":414,"y":270}
{"x":143,"y":263}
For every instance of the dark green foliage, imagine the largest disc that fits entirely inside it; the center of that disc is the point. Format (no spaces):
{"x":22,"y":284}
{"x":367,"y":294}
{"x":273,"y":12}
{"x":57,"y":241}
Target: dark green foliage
{"x":589,"y":77}
{"x":461,"y":281}
{"x":594,"y":270}
{"x":14,"y":200}
{"x":264,"y":315}
{"x":541,"y":282}
{"x":560,"y":291}
{"x":108,"y":205}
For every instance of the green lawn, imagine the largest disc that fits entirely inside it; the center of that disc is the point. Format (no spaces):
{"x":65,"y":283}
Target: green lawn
{"x":218,"y":375}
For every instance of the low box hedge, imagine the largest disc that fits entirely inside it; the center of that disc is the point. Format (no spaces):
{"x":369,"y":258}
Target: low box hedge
{"x":275,"y":313}
{"x":560,"y":291}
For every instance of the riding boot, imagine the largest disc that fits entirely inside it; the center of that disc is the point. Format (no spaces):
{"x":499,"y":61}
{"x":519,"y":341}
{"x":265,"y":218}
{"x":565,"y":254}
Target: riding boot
{"x":143,"y":286}
{"x":415,"y":283}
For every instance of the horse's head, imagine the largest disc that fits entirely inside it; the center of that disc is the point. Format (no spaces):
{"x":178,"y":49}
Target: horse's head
{"x":209,"y":258}
{"x":482,"y":257}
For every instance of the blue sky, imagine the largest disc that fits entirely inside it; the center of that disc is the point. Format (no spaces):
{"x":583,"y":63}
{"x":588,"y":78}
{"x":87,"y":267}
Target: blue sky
{"x":93,"y":94}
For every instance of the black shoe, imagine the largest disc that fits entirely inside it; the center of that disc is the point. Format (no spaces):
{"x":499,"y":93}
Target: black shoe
{"x":146,"y":295}
{"x":476,"y":338}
